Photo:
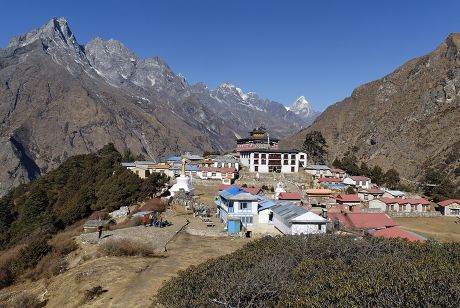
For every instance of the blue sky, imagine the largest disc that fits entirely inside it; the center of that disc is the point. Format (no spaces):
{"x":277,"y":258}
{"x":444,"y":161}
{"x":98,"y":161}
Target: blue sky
{"x":279,"y":49}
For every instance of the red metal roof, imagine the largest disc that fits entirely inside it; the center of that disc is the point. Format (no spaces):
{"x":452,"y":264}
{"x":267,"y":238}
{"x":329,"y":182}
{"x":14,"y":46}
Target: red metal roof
{"x":329,"y":180}
{"x":448,"y":202}
{"x":289,"y":196}
{"x":374,"y":191}
{"x":337,"y":170}
{"x":396,"y":232}
{"x":364,"y":221}
{"x":348,"y":198}
{"x":359,"y":178}
{"x":216,"y":169}
{"x":403,"y":201}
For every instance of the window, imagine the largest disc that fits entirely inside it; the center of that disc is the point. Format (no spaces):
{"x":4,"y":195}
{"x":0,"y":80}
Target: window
{"x":292,"y":169}
{"x":247,"y":219}
{"x":213,"y":174}
{"x":147,"y":172}
{"x":256,"y":161}
{"x":256,"y":168}
{"x":243,"y":205}
{"x":366,"y":197}
{"x":292,"y":161}
{"x":286,"y":162}
{"x":319,"y":227}
{"x":303,"y":157}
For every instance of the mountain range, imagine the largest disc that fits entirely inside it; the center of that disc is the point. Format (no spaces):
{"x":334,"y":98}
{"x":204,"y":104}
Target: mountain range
{"x":408,"y":120}
{"x":59,"y":98}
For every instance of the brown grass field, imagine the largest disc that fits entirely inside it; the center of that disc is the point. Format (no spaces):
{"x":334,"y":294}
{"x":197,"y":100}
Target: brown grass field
{"x":207,"y":193}
{"x":443,"y":229}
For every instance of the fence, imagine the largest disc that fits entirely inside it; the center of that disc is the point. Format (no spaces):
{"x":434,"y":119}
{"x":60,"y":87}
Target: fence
{"x":190,"y":203}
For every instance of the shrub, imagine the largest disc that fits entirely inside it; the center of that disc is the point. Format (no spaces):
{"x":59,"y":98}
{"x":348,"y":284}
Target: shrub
{"x":124,"y":247}
{"x":30,"y":256}
{"x":93,"y":293}
{"x":26,"y":300}
{"x":6,"y":276}
{"x":322,"y":271}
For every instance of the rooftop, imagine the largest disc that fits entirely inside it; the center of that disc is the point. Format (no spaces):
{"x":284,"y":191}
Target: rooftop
{"x":145,"y":162}
{"x":397,"y":232}
{"x":268,"y":151}
{"x":244,"y":196}
{"x":359,"y":178}
{"x":288,"y":210}
{"x":174,"y":158}
{"x":318,"y":167}
{"x":251,"y":190}
{"x":289,"y":196}
{"x":364,"y":221}
{"x":448,"y":202}
{"x":348,"y":198}
{"x":329,"y":180}
{"x":395,"y":192}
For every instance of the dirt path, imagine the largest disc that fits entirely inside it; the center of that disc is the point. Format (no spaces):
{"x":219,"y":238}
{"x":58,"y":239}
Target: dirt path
{"x":126,"y":281}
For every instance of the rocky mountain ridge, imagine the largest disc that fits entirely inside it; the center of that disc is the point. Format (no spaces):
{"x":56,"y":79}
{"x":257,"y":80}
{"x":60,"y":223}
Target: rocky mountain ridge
{"x":408,"y":119}
{"x":59,"y":98}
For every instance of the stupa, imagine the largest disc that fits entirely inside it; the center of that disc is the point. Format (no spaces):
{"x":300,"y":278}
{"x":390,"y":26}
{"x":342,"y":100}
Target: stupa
{"x":183,"y":183}
{"x":279,"y":189}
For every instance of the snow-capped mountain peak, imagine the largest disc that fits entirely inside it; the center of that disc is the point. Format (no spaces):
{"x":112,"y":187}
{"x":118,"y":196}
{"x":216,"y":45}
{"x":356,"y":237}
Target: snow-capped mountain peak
{"x":301,"y":107}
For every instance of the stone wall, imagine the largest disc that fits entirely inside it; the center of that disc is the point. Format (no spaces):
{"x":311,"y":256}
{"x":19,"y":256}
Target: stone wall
{"x":415,"y":214}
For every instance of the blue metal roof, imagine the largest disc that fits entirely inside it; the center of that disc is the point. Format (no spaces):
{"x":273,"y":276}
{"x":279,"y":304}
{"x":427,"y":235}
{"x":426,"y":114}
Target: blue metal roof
{"x":265,"y":203}
{"x":234,"y":190}
{"x":335,"y":185}
{"x":192,"y":168}
{"x":174,"y":158}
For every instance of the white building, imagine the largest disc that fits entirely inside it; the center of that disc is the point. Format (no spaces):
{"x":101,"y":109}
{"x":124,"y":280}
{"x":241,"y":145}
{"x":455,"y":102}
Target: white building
{"x":223,"y":161}
{"x":237,"y":203}
{"x":358,"y":181}
{"x":370,"y":194}
{"x":394,"y":194}
{"x":450,"y":207}
{"x":226,"y":175}
{"x":265,"y":160}
{"x":319,"y":171}
{"x":291,"y":219}
{"x":399,"y":205}
{"x":145,"y":168}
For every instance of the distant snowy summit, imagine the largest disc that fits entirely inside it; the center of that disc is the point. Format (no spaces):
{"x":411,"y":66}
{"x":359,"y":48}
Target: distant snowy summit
{"x":303,"y":109}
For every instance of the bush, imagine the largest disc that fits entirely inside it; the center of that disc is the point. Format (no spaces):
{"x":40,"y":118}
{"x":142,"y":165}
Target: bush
{"x":322,"y":271}
{"x":93,"y":293}
{"x":6,"y":276}
{"x":30,"y":256}
{"x":26,"y":300}
{"x":124,"y":247}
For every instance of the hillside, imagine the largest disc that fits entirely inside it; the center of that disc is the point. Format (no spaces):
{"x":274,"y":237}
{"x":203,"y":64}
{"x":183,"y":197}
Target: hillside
{"x":321,"y":271}
{"x":59,"y":98}
{"x":408,"y":119}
